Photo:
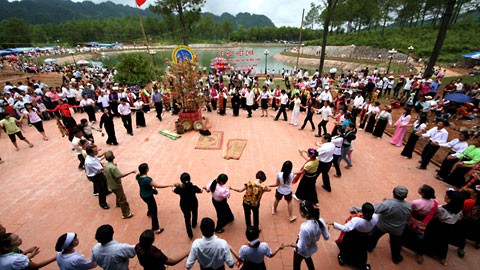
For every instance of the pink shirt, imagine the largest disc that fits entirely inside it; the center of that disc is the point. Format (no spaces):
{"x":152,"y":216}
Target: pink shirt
{"x":422,"y":206}
{"x":220,"y":192}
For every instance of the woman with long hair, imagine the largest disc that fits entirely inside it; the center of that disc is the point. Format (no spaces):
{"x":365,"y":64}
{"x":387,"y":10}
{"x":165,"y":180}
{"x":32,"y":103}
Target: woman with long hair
{"x":152,"y":258}
{"x":139,"y":113}
{"x":220,"y":194}
{"x":383,"y":118}
{"x":309,"y":235}
{"x":188,"y":201}
{"x":310,"y":111}
{"x":353,"y":239}
{"x":444,"y":229}
{"x":148,"y":188}
{"x":423,"y":210}
{"x":372,"y":116}
{"x":284,"y":188}
{"x":67,"y":257}
{"x":419,"y":127}
{"x":306,"y":189}
{"x":402,"y":126}
{"x":33,"y":116}
{"x":89,"y":106}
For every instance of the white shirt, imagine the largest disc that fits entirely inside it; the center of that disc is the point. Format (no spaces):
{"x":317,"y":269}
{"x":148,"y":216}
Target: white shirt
{"x":337,"y":141}
{"x":249,"y":96}
{"x":255,"y":255}
{"x":326,"y":112}
{"x":325,"y":96}
{"x":13,"y":261}
{"x":359,"y":224}
{"x":33,"y":116}
{"x":308,"y":237}
{"x":408,"y":84}
{"x":283,"y":99}
{"x":325,"y":152}
{"x":435,"y":135}
{"x":358,"y":101}
{"x":73,"y":261}
{"x":84,"y":102}
{"x":92,"y":166}
{"x":124,"y":109}
{"x":211,"y":252}
{"x":105,"y":101}
{"x":386,"y":115}
{"x":285,"y":188}
{"x":456,"y":146}
{"x":113,"y":255}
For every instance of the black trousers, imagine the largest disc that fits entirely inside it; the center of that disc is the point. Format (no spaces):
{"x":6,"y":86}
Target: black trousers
{"x":447,"y":166}
{"x":428,"y":153}
{"x":100,"y":185}
{"x":247,"y":210}
{"x":236,"y":108}
{"x":249,"y":110}
{"x":127,"y":123}
{"x":81,"y":165}
{"x":355,"y":112}
{"x":224,"y":213}
{"x":322,"y":125}
{"x":111,"y":137}
{"x":159,"y":109}
{"x":152,"y":211}
{"x":395,"y":243}
{"x":297,"y":262}
{"x":336,"y":164}
{"x":190,"y":214}
{"x":283,"y":109}
{"x":308,"y":119}
{"x":324,"y":168}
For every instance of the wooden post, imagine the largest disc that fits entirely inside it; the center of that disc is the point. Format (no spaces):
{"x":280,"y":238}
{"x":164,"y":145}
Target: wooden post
{"x":148,"y":48}
{"x":300,"y":39}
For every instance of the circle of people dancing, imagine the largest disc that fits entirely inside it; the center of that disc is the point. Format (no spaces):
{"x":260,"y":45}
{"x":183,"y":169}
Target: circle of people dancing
{"x":422,"y":225}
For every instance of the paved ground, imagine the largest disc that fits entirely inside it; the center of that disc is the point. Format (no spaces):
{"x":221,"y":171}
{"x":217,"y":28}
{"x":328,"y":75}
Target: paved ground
{"x":44,"y":195}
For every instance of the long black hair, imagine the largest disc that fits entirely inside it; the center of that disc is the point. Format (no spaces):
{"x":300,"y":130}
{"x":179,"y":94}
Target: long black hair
{"x":310,"y":211}
{"x":221,"y":179}
{"x":456,"y":202}
{"x":286,"y":170}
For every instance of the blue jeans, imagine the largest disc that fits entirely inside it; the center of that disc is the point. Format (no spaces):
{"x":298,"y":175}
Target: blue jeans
{"x":344,"y":156}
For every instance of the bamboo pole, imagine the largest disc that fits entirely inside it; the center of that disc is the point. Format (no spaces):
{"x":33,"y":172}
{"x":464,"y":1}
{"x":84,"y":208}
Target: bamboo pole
{"x":148,"y":48}
{"x":300,"y":39}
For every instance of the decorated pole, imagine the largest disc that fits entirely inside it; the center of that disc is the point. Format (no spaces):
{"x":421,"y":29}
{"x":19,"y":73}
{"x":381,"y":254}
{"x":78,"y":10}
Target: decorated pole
{"x":300,"y":38}
{"x":140,"y":3}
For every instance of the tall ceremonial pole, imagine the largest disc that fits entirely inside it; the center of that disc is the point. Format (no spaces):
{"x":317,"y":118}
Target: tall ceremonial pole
{"x":300,"y":38}
{"x":152,"y":62}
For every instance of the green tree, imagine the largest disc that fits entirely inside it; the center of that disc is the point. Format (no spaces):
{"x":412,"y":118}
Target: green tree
{"x":313,"y":16}
{"x":330,"y":6}
{"x":15,"y":32}
{"x":188,"y":12}
{"x":442,"y":34}
{"x":134,"y":68}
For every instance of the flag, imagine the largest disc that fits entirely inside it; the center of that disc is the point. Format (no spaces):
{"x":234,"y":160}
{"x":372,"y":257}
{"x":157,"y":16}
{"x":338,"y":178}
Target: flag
{"x":141,"y":2}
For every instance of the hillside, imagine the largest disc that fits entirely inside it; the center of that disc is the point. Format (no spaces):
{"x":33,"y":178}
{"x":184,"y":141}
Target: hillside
{"x":60,"y":11}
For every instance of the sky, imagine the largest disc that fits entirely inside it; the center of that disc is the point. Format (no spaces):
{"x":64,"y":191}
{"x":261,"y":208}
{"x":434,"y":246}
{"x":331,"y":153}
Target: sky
{"x":281,"y":12}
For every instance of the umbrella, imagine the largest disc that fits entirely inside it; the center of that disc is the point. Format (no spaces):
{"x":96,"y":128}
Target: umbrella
{"x":50,"y":60}
{"x":459,"y":98}
{"x":83,"y":62}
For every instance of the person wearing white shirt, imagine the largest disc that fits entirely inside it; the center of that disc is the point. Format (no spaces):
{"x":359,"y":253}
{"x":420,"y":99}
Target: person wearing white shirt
{"x":356,"y":230}
{"x":457,"y":148}
{"x":109,"y":254}
{"x":309,"y":235}
{"x":296,"y":109}
{"x":249,"y":100}
{"x":8,"y":86}
{"x":94,"y":171}
{"x":210,"y":251}
{"x":408,"y":86}
{"x":357,"y":106}
{"x":325,"y":156}
{"x":325,"y":95}
{"x":69,"y":94}
{"x":126,"y":115}
{"x":337,"y":152}
{"x":283,"y":105}
{"x":326,"y":113}
{"x":383,"y":118}
{"x":437,"y":136}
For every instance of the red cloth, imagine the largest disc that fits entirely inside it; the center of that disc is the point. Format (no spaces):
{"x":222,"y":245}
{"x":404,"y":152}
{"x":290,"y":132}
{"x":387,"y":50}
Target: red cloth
{"x":141,"y":2}
{"x":64,"y":110}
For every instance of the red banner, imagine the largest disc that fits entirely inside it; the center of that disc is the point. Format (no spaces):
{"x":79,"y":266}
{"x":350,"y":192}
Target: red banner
{"x":141,"y":2}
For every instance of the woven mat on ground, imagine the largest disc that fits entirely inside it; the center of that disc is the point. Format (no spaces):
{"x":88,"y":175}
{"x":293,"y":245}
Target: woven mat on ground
{"x":169,"y":134}
{"x":211,"y":142}
{"x":235,"y":148}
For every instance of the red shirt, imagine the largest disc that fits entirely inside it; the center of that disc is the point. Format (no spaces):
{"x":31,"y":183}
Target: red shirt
{"x":64,"y":110}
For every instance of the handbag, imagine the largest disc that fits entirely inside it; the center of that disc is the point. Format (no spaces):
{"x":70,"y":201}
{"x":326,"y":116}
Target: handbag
{"x":419,"y":226}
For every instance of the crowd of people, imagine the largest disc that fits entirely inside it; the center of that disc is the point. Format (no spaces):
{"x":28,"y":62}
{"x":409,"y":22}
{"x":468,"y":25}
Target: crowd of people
{"x":354,"y":106}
